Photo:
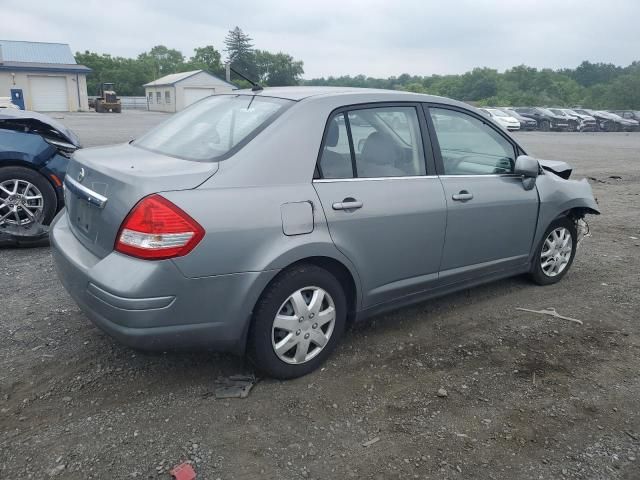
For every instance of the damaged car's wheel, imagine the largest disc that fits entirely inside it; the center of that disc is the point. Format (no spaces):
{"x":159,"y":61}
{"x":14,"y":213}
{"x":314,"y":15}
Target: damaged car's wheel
{"x":297,"y":322}
{"x":555,"y":254}
{"x":26,"y":199}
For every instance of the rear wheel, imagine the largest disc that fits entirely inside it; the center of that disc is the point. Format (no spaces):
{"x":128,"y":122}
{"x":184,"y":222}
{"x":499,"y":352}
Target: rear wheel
{"x":297,"y":322}
{"x":545,"y":126}
{"x":555,"y":254}
{"x":99,"y":106}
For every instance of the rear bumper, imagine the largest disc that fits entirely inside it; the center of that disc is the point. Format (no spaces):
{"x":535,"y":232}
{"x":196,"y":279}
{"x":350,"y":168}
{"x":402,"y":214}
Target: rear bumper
{"x":151,"y":304}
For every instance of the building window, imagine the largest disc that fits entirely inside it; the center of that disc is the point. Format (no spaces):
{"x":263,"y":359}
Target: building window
{"x":167,"y":97}
{"x":158,"y":98}
{"x":150,"y":97}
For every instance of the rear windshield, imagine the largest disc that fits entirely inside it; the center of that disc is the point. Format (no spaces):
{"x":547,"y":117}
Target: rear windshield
{"x":213,"y":127}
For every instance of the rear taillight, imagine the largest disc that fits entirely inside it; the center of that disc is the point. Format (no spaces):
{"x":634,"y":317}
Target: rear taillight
{"x":157,"y":229}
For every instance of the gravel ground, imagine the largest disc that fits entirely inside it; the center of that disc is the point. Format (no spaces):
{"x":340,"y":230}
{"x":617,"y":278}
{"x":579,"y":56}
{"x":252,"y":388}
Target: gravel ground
{"x":527,"y":396}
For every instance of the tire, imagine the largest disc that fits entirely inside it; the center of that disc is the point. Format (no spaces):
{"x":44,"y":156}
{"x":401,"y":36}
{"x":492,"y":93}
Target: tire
{"x":306,"y":282}
{"x":26,"y":175}
{"x":545,"y":126}
{"x":99,"y":107}
{"x":554,"y":272}
{"x":117,"y":109}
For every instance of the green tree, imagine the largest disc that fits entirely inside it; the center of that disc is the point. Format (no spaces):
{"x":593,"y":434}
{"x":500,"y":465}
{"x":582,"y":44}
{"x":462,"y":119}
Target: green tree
{"x":162,"y":60}
{"x":277,"y":69}
{"x":588,"y":74}
{"x":207,"y":58}
{"x":240,"y":52}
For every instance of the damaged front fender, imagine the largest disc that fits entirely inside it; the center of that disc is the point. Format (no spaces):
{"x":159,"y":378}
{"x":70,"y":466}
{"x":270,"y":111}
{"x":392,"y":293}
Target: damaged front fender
{"x":562,"y":197}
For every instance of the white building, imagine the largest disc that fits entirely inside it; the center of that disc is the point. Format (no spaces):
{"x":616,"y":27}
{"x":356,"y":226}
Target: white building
{"x":174,"y":92}
{"x":42,"y":76}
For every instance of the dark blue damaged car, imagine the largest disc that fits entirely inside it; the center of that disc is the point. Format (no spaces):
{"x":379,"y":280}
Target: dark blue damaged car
{"x":34,"y":152}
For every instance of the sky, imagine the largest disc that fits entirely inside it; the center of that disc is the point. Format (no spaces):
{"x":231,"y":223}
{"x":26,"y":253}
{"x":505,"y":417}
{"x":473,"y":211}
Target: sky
{"x":348,"y":37}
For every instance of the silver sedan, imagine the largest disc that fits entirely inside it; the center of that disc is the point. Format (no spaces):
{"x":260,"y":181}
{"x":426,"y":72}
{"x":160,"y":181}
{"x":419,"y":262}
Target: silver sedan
{"x":266,"y":221}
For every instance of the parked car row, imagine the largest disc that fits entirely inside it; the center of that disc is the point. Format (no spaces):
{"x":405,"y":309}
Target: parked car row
{"x":564,"y":119}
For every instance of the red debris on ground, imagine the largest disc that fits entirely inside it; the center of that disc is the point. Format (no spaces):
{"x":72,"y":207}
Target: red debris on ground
{"x":184,"y":471}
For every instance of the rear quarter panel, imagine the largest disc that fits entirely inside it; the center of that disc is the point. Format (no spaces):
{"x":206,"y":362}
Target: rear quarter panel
{"x":244,"y":230}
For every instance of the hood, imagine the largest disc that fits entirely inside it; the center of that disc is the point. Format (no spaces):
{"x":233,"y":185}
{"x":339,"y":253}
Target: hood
{"x":37,"y":123}
{"x":558,"y":167}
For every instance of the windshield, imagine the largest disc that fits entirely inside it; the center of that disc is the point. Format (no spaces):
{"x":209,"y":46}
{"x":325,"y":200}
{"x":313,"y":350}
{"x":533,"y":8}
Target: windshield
{"x":212,"y":127}
{"x":570,"y":112}
{"x":546,"y":111}
{"x":558,"y":112}
{"x":497,"y":113}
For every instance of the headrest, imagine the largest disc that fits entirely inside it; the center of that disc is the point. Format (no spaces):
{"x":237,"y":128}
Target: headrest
{"x":378,"y":151}
{"x":333,"y":134}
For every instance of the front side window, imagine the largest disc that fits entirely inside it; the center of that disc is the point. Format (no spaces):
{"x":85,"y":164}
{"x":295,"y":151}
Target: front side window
{"x":469,"y":146}
{"x":158,"y":97}
{"x":167,"y":97}
{"x":150,"y":97}
{"x":384,"y":142}
{"x":212,"y":127}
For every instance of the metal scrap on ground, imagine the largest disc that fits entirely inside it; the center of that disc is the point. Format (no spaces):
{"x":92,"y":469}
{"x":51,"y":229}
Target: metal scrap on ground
{"x":368,"y":443}
{"x":552,"y":313}
{"x":235,"y":386}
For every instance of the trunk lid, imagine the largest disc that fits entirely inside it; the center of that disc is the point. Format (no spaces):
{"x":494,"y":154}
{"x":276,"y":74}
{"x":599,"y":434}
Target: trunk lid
{"x":103,"y":185}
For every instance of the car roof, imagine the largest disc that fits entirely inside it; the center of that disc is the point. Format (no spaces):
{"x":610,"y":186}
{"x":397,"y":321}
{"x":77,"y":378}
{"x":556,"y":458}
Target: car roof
{"x":301,"y":93}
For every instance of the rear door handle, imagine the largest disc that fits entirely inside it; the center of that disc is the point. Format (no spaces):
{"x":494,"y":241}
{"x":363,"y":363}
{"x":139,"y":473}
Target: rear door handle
{"x":347,"y":204}
{"x":462,"y":196}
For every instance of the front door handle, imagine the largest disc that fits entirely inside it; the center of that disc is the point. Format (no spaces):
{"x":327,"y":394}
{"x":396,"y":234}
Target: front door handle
{"x":462,"y":196}
{"x":347,"y":204}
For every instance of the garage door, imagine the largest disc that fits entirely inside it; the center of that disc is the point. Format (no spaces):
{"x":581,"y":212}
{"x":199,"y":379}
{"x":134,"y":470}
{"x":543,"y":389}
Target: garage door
{"x":192,"y":95}
{"x":48,"y":94}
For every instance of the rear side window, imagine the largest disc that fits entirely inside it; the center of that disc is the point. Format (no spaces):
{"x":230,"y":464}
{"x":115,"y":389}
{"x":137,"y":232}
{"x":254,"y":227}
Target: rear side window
{"x":336,"y":156}
{"x":213,"y":127}
{"x":469,"y":146}
{"x":373,"y":143}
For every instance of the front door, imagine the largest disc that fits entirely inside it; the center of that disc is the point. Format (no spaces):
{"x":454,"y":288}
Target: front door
{"x":491,"y":218}
{"x":384,"y":212}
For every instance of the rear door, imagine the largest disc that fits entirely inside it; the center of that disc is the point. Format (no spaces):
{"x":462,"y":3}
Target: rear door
{"x":491,"y":218}
{"x":384,"y":205}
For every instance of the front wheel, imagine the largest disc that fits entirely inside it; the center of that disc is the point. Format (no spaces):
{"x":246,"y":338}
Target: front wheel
{"x":556,"y":252}
{"x":27,"y":199}
{"x":297,"y":322}
{"x":545,"y":126}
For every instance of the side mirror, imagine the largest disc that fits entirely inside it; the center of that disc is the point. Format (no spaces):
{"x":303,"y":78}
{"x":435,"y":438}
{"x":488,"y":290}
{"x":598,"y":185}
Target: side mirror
{"x":528,"y":168}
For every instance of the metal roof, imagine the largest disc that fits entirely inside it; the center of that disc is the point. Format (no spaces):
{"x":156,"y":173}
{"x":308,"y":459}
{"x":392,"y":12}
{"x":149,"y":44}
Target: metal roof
{"x":43,"y":67}
{"x":174,"y":78}
{"x":35,"y":52}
